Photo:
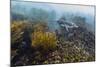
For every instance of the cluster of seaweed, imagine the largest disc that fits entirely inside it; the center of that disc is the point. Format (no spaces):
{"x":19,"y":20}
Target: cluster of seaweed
{"x":33,"y":43}
{"x":28,"y":37}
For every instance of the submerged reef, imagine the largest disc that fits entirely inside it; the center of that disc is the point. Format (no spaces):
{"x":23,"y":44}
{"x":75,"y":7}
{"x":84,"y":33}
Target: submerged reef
{"x":34,"y":43}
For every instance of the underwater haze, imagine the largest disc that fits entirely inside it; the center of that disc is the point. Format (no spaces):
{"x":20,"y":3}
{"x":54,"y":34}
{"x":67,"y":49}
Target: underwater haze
{"x":55,"y":11}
